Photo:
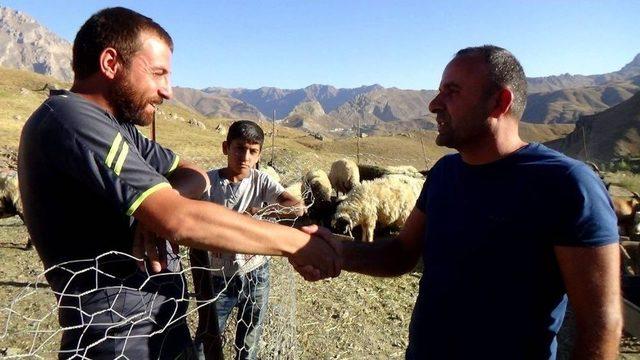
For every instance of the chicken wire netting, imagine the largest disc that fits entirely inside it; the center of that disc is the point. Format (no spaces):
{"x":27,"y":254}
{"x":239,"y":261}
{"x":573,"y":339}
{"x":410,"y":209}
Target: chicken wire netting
{"x":30,"y":327}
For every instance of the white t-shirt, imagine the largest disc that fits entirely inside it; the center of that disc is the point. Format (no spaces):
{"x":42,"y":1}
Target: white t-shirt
{"x":256,"y":190}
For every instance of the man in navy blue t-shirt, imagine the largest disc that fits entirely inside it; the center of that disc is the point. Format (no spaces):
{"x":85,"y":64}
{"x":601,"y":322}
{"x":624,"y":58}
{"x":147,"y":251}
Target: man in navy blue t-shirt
{"x":506,"y":230}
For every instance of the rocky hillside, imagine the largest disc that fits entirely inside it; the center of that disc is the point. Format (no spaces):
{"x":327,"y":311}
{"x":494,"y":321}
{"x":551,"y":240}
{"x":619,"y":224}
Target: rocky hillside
{"x":567,"y":105}
{"x":25,"y":44}
{"x":216,"y":105}
{"x":612,"y":133}
{"x":283,"y":101}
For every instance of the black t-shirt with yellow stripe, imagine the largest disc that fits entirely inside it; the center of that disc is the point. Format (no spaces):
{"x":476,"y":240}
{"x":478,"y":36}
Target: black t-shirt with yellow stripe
{"x":82,"y":175}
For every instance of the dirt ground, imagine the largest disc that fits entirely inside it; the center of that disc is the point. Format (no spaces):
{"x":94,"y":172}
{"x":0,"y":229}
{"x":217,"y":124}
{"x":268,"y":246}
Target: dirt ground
{"x":350,"y":317}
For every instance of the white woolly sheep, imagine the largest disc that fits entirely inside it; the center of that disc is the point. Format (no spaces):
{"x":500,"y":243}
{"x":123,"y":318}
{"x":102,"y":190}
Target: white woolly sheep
{"x":316,"y":187}
{"x":270,"y":171}
{"x":295,"y":189}
{"x":387,"y":201}
{"x":344,"y":175}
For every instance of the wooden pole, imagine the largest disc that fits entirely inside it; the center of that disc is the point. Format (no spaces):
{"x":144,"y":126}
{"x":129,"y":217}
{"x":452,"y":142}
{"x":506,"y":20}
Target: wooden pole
{"x":424,"y":154}
{"x":358,"y":135}
{"x":584,"y":144}
{"x":153,"y":126}
{"x":273,"y":137}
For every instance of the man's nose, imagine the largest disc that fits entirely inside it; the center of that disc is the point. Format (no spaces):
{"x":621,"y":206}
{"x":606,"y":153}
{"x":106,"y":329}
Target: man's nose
{"x":165,"y":90}
{"x":435,"y":105}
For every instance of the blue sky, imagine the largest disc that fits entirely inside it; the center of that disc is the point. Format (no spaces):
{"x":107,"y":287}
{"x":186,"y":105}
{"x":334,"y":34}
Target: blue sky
{"x":406,"y":44}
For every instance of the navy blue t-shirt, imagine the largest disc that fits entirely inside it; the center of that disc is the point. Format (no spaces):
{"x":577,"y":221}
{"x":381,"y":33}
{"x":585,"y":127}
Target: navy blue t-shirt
{"x":491,"y":286}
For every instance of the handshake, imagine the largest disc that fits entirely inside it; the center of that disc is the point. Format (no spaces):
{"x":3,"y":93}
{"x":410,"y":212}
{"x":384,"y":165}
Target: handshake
{"x":322,"y":257}
{"x":319,"y":257}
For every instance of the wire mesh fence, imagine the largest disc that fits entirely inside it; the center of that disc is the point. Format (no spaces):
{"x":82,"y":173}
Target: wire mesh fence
{"x":33,"y":321}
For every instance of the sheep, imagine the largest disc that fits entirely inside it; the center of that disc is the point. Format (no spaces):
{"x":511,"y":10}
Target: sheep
{"x":316,"y":193}
{"x":344,"y":175}
{"x":295,"y":189}
{"x":270,"y":171}
{"x":371,"y":172}
{"x":625,"y":208}
{"x":387,"y":201}
{"x":10,"y":202}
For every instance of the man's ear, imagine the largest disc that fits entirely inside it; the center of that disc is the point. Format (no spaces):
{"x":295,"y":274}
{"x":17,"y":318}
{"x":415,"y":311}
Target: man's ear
{"x":502,"y":101}
{"x":225,"y":147}
{"x":109,"y":64}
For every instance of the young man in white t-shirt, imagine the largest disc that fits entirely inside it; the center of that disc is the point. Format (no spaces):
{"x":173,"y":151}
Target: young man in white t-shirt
{"x":238,"y":280}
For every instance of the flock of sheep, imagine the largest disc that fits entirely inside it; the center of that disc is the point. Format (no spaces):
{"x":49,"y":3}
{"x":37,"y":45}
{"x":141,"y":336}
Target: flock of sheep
{"x":354,"y":195}
{"x":364,"y":196}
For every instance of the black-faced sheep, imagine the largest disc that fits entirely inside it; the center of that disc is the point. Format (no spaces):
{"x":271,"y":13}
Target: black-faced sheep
{"x":344,"y":175}
{"x":371,"y":172}
{"x":387,"y":201}
{"x":10,"y":203}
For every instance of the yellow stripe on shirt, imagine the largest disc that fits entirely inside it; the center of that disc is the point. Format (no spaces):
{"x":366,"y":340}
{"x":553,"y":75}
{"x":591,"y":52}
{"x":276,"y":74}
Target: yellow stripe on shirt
{"x":121,"y":158}
{"x":113,"y":150}
{"x":144,"y":195}
{"x":174,"y":165}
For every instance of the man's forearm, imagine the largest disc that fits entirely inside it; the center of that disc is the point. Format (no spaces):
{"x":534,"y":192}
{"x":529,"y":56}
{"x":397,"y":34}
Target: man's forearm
{"x":383,"y":258}
{"x":207,"y":226}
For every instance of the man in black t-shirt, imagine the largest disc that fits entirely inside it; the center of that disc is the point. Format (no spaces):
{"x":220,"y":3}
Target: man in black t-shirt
{"x":86,"y":174}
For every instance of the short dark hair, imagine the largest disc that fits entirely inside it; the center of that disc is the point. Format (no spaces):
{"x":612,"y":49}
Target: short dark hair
{"x":115,"y":27}
{"x":246,"y":130}
{"x":504,"y":70}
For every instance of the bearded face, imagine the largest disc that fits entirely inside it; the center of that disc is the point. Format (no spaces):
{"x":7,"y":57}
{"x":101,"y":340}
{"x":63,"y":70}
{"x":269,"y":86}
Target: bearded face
{"x":130,"y":103}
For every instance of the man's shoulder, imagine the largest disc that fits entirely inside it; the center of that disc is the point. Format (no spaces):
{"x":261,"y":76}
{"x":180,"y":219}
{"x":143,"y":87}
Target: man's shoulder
{"x":70,"y":110}
{"x":554,"y":166}
{"x":545,"y":157}
{"x":261,"y":177}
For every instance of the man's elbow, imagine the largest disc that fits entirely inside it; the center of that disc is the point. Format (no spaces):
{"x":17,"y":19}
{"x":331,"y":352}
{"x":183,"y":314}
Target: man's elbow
{"x":608,"y":327}
{"x":614,"y":325}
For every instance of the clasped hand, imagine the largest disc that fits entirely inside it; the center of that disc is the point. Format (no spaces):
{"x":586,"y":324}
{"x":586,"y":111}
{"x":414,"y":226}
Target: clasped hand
{"x":321,"y":258}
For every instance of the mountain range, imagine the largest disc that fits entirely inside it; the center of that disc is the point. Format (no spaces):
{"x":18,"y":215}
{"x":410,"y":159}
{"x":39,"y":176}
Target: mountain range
{"x":25,"y":44}
{"x":561,"y":99}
